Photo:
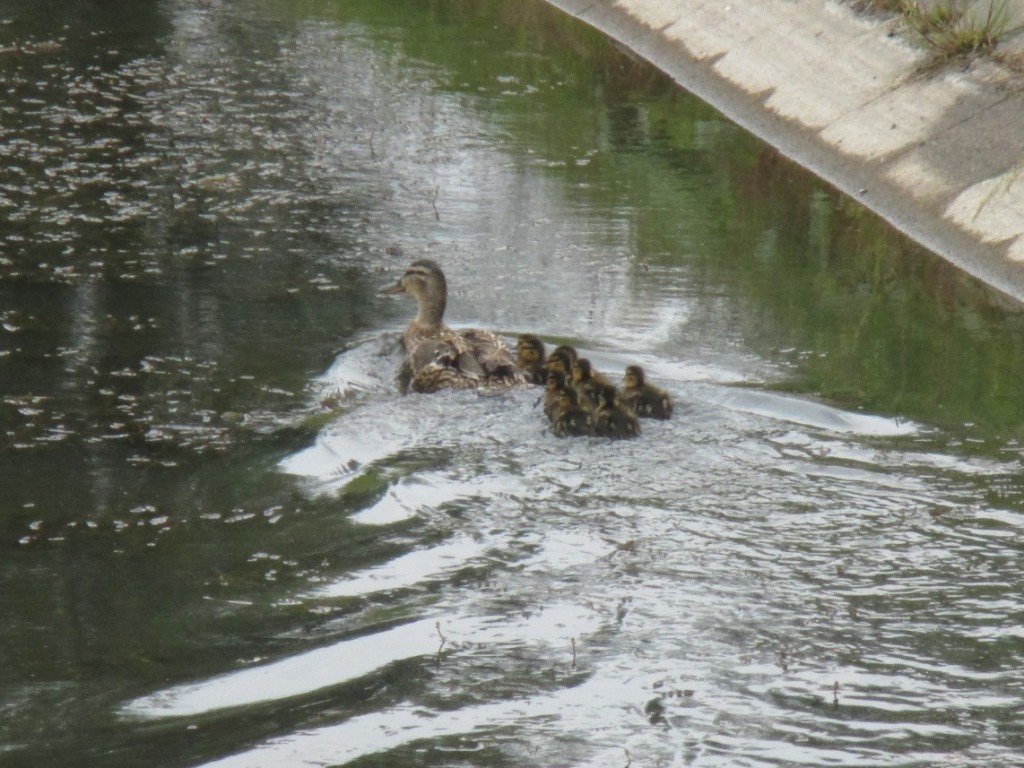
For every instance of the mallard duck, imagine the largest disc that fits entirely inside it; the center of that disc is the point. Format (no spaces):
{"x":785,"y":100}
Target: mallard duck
{"x":440,"y":357}
{"x":644,"y":399}
{"x":611,"y":419}
{"x":552,"y":393}
{"x":586,"y":381}
{"x":531,"y":359}
{"x":570,"y":419}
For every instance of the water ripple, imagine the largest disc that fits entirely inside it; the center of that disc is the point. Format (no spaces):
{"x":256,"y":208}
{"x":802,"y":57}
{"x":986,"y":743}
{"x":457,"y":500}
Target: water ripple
{"x":769,"y":596}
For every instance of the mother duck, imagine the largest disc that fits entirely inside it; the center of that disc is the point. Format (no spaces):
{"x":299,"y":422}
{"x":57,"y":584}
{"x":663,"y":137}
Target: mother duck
{"x":440,"y":357}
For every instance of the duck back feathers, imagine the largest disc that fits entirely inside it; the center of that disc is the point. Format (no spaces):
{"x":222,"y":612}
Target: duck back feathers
{"x":440,"y":357}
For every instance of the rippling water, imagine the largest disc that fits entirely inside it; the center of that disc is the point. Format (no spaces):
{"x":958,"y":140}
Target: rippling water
{"x":761,"y":581}
{"x":227,"y":540}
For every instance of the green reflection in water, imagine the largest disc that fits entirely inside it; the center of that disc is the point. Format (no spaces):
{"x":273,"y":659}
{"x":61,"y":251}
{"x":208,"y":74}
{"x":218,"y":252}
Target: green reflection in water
{"x":860,"y":315}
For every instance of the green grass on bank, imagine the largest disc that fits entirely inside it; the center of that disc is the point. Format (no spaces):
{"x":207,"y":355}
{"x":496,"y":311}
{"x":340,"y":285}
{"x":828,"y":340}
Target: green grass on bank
{"x":953,"y":28}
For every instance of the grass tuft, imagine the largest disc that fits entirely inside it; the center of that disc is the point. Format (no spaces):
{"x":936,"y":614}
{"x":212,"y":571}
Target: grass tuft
{"x":958,"y":27}
{"x":950,"y":28}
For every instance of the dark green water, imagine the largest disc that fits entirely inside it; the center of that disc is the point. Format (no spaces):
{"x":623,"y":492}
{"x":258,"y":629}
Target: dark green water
{"x":817,"y":562}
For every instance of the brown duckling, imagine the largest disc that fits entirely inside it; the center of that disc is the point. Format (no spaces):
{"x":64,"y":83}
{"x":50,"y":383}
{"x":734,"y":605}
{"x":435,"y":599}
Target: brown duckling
{"x":560,"y":360}
{"x":586,"y":381}
{"x":568,"y":351}
{"x":552,"y":392}
{"x":570,"y":419}
{"x":531,"y":358}
{"x":646,"y":400}
{"x":611,"y":419}
{"x":440,"y":357}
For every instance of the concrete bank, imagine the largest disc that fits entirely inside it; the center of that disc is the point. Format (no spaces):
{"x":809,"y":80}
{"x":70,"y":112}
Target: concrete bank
{"x":938,"y":154}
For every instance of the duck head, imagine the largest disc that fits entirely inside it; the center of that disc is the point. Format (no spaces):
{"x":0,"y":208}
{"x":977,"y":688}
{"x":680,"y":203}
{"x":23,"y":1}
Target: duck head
{"x":567,"y":399}
{"x":568,"y":352}
{"x":582,"y":370}
{"x":559,"y":362}
{"x":529,"y":350}
{"x":634,"y":376}
{"x":425,"y":282}
{"x":607,"y":397}
{"x":556,"y":381}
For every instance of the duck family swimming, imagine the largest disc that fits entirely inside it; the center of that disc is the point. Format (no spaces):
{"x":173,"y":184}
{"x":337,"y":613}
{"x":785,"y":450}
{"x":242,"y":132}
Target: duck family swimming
{"x":578,"y":400}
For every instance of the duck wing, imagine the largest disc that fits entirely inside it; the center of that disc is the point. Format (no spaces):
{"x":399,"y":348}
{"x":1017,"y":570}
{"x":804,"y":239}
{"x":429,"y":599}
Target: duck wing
{"x":435,"y":377}
{"x":448,"y":359}
{"x":447,"y":350}
{"x":490,"y":352}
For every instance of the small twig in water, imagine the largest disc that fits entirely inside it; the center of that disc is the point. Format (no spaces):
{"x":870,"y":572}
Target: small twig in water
{"x":573,"y":641}
{"x":433,"y":203}
{"x":629,"y":759}
{"x":437,"y":626}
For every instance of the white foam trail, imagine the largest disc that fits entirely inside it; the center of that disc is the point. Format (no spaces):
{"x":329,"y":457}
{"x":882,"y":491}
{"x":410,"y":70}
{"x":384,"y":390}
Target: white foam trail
{"x":351,"y":659}
{"x":408,"y":570}
{"x":595,"y":705}
{"x":292,"y":676}
{"x":411,"y":497}
{"x":341,"y":451}
{"x":811,"y":414}
{"x":368,"y":366}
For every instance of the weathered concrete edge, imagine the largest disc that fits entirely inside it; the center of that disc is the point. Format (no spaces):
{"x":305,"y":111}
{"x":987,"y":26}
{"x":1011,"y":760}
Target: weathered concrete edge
{"x":992,"y":255}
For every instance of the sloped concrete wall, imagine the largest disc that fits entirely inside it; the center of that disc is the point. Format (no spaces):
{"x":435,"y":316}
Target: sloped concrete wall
{"x":939,"y":152}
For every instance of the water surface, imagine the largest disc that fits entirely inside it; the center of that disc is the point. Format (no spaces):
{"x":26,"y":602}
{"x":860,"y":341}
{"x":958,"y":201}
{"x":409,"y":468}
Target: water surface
{"x":227,"y":540}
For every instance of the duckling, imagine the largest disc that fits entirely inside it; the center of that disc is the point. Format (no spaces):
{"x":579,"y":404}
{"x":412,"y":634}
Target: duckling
{"x":552,"y":392}
{"x":568,"y":351}
{"x":570,"y":419}
{"x":585,"y":380}
{"x":611,"y":419}
{"x":646,"y":400}
{"x":560,"y":361}
{"x":530,"y":357}
{"x":440,"y":357}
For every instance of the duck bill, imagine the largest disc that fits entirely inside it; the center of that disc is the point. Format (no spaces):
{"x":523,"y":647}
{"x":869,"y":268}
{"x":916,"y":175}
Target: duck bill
{"x":396,"y":288}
